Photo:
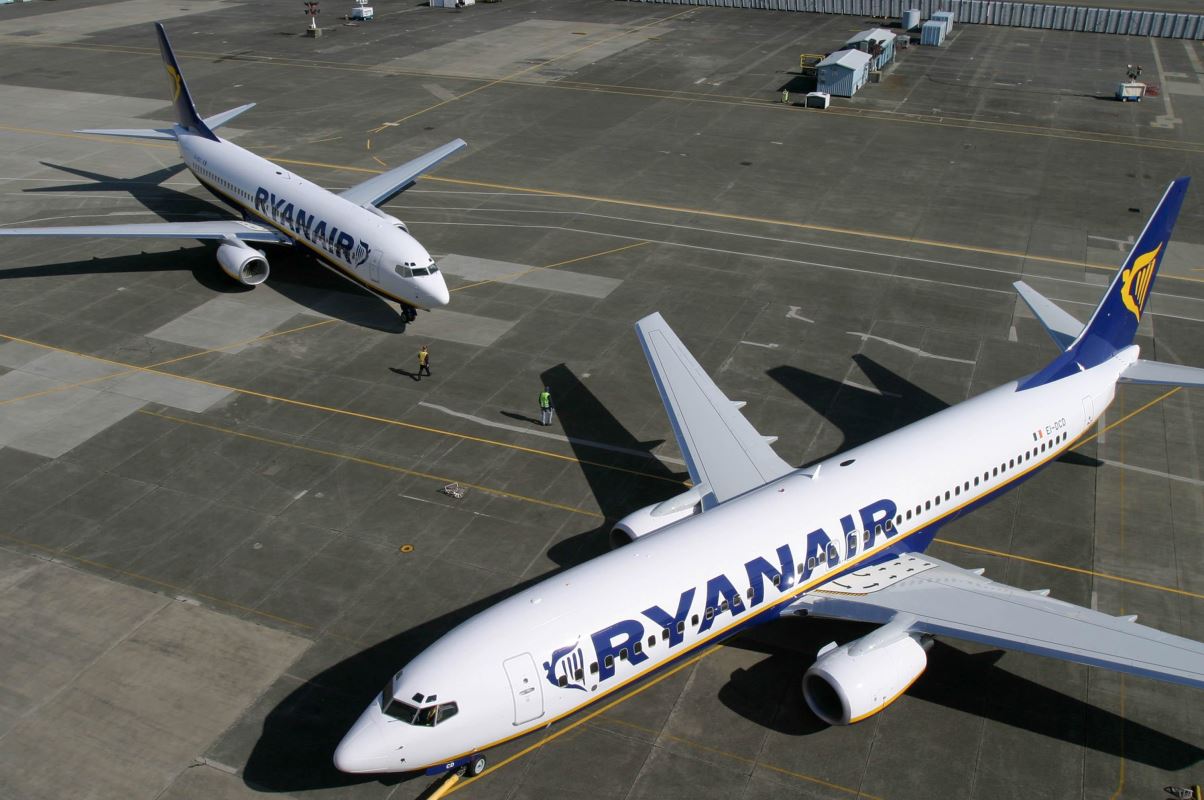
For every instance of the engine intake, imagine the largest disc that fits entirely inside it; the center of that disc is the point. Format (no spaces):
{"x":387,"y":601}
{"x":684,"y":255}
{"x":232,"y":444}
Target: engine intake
{"x":389,"y":218}
{"x":243,"y":263}
{"x":847,"y":684}
{"x":651,"y":519}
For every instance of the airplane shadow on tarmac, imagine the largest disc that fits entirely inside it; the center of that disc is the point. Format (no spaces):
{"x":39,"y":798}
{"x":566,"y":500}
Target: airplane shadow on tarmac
{"x":295,"y":273}
{"x":770,"y":694}
{"x":301,"y":732}
{"x":861,"y":415}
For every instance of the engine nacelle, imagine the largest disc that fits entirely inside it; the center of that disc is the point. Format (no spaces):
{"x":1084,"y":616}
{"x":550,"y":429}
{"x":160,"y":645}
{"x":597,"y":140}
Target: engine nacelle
{"x":389,"y":218}
{"x":849,"y":683}
{"x":244,"y":264}
{"x":654,"y":517}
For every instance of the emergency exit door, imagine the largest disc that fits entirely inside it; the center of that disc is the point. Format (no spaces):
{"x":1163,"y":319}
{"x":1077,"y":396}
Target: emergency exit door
{"x":524,"y":684}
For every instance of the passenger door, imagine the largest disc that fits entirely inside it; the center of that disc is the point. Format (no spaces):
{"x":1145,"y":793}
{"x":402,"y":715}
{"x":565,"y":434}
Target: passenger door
{"x":374,"y":266}
{"x":524,"y":684}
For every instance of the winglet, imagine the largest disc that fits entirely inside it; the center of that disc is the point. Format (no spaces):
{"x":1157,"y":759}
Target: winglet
{"x":186,"y":116}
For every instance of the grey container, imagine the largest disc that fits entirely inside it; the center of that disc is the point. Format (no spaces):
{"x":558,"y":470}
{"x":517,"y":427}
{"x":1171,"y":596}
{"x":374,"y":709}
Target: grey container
{"x":911,"y":19}
{"x":932,"y":33}
{"x":944,"y":16}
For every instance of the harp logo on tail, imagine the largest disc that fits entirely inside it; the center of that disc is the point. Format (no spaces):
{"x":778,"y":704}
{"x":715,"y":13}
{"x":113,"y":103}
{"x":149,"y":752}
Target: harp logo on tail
{"x":175,"y":82}
{"x":1137,"y":281}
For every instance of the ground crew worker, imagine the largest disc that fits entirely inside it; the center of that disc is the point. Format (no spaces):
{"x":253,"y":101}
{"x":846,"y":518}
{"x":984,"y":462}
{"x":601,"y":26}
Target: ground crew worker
{"x":785,"y":95}
{"x":545,"y":406}
{"x":424,"y":362}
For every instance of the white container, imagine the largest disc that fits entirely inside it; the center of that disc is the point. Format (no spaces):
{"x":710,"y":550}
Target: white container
{"x":818,"y":100}
{"x":1130,"y":90}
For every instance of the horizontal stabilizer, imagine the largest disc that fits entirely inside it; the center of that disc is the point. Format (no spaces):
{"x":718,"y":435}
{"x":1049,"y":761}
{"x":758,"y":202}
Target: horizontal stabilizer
{"x":217,"y":229}
{"x":1159,"y":374}
{"x":217,"y":120}
{"x":134,"y":133}
{"x":1060,"y":326}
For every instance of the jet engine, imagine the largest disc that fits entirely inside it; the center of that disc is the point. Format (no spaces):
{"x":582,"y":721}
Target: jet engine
{"x":654,"y":517}
{"x":389,"y":218}
{"x":243,"y":263}
{"x":857,"y":680}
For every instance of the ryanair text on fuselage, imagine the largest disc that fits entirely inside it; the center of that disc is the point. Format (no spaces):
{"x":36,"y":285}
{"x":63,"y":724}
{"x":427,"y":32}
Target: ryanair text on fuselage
{"x":339,"y":244}
{"x":623,"y":639}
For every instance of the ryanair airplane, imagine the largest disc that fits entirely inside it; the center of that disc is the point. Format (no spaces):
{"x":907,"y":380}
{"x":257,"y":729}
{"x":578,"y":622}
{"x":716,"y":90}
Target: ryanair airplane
{"x":755,"y":539}
{"x":348,"y":232}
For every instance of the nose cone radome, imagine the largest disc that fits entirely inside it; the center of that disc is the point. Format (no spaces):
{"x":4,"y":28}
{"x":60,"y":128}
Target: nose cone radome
{"x":363,"y":749}
{"x":435,"y":289}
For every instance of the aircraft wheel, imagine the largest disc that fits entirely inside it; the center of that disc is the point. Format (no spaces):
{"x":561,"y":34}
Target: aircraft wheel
{"x":477,"y":766}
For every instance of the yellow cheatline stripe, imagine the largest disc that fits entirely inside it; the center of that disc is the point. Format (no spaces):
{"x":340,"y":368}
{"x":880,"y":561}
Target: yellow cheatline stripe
{"x":676,"y":95}
{"x":64,"y":554}
{"x":657,"y":207}
{"x":1079,"y":570}
{"x":176,"y":360}
{"x":737,"y":757}
{"x":579,"y":722}
{"x":533,"y":67}
{"x":87,"y":137}
{"x":369,"y":462}
{"x":1125,"y":418}
{"x":346,"y":412}
{"x":529,"y":270}
{"x":808,"y":226}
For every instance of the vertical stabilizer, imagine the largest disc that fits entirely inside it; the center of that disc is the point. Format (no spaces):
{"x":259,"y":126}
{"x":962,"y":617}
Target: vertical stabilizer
{"x":1113,"y":326}
{"x":186,"y":116}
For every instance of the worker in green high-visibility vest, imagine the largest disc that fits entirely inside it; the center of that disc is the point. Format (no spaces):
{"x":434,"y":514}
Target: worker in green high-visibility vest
{"x":545,"y":406}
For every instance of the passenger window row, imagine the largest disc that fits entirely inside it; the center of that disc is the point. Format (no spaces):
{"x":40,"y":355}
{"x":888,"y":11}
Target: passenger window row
{"x":987,"y":475}
{"x":831,"y":555}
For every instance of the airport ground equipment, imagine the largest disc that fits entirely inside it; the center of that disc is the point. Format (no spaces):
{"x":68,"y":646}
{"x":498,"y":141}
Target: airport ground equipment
{"x":818,"y":100}
{"x":1130,"y":90}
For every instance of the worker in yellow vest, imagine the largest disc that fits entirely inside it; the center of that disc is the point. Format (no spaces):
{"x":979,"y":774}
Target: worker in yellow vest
{"x":545,"y":406}
{"x":424,"y":362}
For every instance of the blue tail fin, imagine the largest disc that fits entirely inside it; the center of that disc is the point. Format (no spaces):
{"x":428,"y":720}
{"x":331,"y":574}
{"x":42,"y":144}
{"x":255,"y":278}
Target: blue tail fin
{"x":1113,"y":326}
{"x":186,"y":116}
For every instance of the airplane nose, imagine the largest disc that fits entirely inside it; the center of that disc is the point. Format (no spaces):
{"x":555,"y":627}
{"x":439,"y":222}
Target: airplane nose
{"x":439,"y":295}
{"x":360,"y":750}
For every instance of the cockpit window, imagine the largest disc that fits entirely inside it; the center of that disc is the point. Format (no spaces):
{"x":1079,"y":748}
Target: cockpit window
{"x":431,"y":266}
{"x":426,"y":716}
{"x":420,"y":271}
{"x":403,"y":271}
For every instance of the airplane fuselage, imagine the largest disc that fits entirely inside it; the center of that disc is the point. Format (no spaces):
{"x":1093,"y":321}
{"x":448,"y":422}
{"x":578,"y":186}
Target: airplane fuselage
{"x":360,"y":245}
{"x":590,"y":630}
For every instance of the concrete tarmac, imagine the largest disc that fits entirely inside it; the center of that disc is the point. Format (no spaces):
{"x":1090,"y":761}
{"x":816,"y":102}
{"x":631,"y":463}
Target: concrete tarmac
{"x":223,"y":525}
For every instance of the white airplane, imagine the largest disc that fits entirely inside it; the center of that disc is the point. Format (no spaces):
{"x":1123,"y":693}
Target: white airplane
{"x":756,"y":538}
{"x":347,"y":231}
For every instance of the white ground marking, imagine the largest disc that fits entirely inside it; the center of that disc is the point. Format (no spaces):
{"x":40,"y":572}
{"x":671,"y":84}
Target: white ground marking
{"x":767,"y":346}
{"x":1167,"y":120}
{"x":921,"y":353}
{"x":1154,"y":472}
{"x":555,"y":436}
{"x":870,"y":389}
{"x":793,"y":314}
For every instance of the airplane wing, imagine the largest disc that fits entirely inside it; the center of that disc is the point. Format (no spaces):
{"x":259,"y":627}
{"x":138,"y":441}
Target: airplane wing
{"x":724,"y":453}
{"x":217,"y":229}
{"x":375,"y":191}
{"x":935,"y":597}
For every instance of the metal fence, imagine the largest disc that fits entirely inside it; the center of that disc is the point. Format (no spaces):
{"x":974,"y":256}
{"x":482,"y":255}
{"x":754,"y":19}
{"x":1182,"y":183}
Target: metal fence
{"x":991,"y":12}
